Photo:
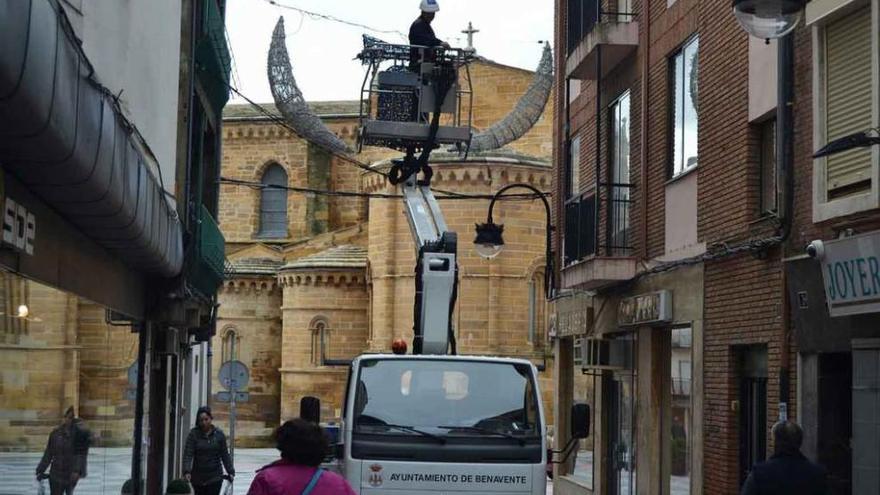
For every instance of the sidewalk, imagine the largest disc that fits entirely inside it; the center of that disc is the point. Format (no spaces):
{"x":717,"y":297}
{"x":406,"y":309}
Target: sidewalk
{"x":109,"y":468}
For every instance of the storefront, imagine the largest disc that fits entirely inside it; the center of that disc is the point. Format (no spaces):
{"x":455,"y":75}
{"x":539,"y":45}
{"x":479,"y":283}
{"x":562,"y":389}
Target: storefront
{"x":634,"y":356}
{"x":835,"y":299}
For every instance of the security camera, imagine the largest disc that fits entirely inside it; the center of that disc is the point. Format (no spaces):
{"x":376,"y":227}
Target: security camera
{"x":816,"y":250}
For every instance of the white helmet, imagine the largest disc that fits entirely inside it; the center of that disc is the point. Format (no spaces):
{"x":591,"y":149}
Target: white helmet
{"x":429,"y":6}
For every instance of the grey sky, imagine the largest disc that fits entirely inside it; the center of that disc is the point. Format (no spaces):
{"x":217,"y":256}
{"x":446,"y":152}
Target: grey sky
{"x":321,"y":51}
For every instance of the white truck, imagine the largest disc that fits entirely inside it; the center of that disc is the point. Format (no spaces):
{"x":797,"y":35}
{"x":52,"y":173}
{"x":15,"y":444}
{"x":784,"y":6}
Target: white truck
{"x":443,"y":424}
{"x":434,"y":422}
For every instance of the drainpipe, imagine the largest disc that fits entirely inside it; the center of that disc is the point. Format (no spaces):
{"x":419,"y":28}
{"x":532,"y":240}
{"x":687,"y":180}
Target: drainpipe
{"x":598,"y":144}
{"x":784,"y":178}
{"x":137,"y":448}
{"x":566,"y":177}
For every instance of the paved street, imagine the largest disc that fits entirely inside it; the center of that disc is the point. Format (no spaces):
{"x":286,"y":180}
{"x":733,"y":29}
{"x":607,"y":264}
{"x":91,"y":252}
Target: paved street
{"x":109,"y":468}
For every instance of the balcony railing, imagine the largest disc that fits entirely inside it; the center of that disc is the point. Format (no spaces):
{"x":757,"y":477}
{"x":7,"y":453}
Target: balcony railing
{"x":580,"y":229}
{"x":213,"y":57}
{"x":618,"y":240}
{"x":681,"y":386}
{"x":583,"y":15}
{"x":582,"y":239}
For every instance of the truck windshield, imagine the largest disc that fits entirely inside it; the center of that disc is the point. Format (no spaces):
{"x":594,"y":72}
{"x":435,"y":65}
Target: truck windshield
{"x":449,"y":398}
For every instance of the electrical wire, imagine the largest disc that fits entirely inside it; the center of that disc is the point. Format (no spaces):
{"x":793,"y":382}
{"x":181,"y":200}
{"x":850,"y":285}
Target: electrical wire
{"x":352,"y":194}
{"x":316,"y":15}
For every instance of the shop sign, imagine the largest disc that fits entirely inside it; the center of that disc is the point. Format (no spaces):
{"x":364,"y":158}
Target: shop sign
{"x":19,"y":227}
{"x":645,"y":309}
{"x":851,"y":274}
{"x":574,"y":316}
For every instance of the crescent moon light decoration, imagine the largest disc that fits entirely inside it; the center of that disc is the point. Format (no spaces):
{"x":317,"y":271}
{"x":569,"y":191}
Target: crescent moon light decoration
{"x":290,"y":101}
{"x":526,"y":112}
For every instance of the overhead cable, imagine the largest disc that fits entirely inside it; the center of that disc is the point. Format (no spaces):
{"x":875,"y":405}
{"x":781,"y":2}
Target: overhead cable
{"x":326,"y":17}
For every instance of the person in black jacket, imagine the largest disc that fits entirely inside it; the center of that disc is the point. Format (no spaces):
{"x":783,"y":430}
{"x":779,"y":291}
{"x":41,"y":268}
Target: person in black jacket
{"x":205,"y":451}
{"x":788,"y":472}
{"x":67,"y":453}
{"x":421,"y":33}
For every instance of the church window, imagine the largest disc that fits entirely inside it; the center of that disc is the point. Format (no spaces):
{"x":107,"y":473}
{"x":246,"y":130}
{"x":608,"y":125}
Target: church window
{"x":273,"y":203}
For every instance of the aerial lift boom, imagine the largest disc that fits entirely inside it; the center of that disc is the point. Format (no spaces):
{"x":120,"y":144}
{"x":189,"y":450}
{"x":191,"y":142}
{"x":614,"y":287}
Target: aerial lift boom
{"x":402,"y":107}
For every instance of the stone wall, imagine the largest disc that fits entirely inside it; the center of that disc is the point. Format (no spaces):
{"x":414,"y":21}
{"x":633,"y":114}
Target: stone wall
{"x":339,"y":299}
{"x":250,"y":312}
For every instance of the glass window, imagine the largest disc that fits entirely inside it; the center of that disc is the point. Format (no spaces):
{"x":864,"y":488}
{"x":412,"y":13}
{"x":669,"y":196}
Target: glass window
{"x":319,"y":350}
{"x":685,"y":107}
{"x":682,"y":410}
{"x":620,"y":179}
{"x":767,"y":161}
{"x":67,"y":390}
{"x":273,"y":203}
{"x":463,"y":398}
{"x":231,"y":342}
{"x":581,"y":466}
{"x":574,"y":161}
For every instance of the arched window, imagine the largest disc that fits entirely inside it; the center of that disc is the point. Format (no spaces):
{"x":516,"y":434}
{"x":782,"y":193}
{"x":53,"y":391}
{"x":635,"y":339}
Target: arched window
{"x":273,"y":203}
{"x":537,"y":309}
{"x":231,"y":345}
{"x":319,"y":328}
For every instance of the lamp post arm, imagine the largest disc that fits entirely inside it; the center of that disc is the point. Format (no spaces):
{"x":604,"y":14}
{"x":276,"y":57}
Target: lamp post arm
{"x":524,"y":186}
{"x":549,"y":278}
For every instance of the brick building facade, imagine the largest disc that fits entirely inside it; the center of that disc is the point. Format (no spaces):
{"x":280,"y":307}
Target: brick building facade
{"x":707,"y":229}
{"x":335,"y":279}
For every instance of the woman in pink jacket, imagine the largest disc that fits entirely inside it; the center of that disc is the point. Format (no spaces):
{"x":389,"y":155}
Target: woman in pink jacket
{"x":303,"y":447}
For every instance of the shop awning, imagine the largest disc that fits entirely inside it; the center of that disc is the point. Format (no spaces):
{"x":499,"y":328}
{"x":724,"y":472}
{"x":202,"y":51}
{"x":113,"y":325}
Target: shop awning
{"x":63,"y":135}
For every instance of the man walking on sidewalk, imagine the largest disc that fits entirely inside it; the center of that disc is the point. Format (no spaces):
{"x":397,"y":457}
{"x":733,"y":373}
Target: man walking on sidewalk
{"x":788,"y":472}
{"x":67,"y":453}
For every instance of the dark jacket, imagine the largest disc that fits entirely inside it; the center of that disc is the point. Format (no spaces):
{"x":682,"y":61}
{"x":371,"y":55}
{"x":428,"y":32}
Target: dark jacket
{"x":421,"y":33}
{"x":67,"y":452}
{"x":786,"y":474}
{"x":204,"y":454}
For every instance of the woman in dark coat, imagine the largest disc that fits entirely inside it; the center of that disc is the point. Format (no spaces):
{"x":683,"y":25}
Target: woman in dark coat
{"x":206,"y":455}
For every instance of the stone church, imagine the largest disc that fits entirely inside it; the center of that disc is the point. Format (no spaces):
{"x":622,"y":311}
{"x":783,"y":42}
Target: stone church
{"x":327,"y":277}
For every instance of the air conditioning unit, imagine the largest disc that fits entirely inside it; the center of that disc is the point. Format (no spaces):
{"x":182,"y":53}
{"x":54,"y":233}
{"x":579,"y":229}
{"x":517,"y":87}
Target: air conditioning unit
{"x":607,"y":354}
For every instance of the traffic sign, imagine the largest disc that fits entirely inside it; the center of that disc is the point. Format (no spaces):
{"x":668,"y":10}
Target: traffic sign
{"x":234,"y":375}
{"x":227,"y":396}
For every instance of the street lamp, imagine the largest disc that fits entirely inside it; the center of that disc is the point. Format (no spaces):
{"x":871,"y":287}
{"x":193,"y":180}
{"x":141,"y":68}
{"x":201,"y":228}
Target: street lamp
{"x":489,"y":241}
{"x":768,"y":19}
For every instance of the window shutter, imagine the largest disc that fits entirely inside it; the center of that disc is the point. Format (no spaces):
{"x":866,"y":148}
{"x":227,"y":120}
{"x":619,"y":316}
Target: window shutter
{"x":848,"y":95}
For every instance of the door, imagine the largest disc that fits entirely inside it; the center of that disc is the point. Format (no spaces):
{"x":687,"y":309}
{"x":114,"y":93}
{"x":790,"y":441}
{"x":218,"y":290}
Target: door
{"x":620,"y":393}
{"x":834,"y":450}
{"x":752,"y":364}
{"x":866,"y":418}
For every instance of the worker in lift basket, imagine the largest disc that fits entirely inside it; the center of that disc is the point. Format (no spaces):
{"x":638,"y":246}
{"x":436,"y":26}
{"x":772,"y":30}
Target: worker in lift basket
{"x":421,"y":33}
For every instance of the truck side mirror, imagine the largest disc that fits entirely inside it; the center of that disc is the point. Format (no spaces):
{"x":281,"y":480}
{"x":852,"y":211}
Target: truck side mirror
{"x":580,"y":421}
{"x":310,"y":409}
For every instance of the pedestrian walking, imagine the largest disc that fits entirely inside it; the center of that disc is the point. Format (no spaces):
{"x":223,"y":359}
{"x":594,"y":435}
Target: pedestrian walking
{"x":787,"y":472}
{"x":206,"y":455}
{"x":303,"y":447}
{"x":66,"y":455}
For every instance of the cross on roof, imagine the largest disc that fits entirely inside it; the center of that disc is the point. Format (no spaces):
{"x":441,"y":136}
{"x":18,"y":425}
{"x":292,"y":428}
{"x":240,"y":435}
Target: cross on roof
{"x":470,"y":31}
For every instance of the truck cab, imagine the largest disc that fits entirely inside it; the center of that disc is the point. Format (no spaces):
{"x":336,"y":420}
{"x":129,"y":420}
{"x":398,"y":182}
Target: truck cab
{"x":461,"y":425}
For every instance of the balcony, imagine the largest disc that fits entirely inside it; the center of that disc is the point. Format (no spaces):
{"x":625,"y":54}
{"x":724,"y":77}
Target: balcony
{"x":599,"y":40}
{"x":597,"y":244}
{"x":213,"y":60}
{"x":209,"y":267}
